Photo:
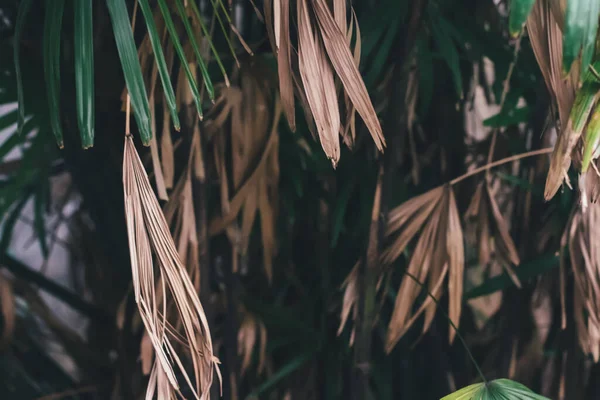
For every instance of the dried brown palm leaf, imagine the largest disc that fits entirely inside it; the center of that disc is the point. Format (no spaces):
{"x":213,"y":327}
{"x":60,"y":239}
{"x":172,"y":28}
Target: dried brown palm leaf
{"x":439,"y":252}
{"x":319,"y":85}
{"x":491,"y":232}
{"x":583,"y":233}
{"x":254,"y":119}
{"x":343,"y":62}
{"x":408,"y":219}
{"x":149,"y":234}
{"x":456,"y":263}
{"x":546,"y":40}
{"x":418,"y":268}
{"x":252,"y":330}
{"x":286,"y":84}
{"x":349,"y":303}
{"x":7,"y":308}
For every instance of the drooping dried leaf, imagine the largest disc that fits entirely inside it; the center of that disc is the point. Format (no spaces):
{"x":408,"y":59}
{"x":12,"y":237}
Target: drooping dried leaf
{"x":547,"y":40}
{"x":408,"y":218}
{"x":583,"y":230}
{"x":319,"y":85}
{"x":418,"y":268}
{"x":456,"y":262}
{"x":251,"y":330}
{"x":342,"y":60}
{"x":491,"y":233}
{"x":286,"y":85}
{"x":149,"y":234}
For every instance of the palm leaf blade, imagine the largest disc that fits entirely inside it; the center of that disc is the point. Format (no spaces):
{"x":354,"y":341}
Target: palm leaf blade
{"x":52,"y":27}
{"x":131,"y":67}
{"x":84,"y":71}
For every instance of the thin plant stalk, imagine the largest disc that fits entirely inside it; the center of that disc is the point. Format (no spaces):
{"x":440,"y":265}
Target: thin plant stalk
{"x":460,"y":337}
{"x":499,"y":162}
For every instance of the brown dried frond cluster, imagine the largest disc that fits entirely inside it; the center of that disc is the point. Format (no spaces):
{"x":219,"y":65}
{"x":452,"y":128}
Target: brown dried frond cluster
{"x":252,"y":329}
{"x":322,"y":70}
{"x":582,"y":232}
{"x":491,"y":231}
{"x":546,"y":40}
{"x":149,"y":235}
{"x":251,"y":113}
{"x":439,"y":252}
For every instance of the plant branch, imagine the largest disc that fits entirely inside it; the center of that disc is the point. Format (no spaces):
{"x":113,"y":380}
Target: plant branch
{"x":505,"y":90}
{"x":500,"y":162}
{"x":452,"y":324}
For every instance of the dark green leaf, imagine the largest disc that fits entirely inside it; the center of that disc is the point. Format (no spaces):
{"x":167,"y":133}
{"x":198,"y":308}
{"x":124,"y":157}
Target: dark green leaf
{"x":24,"y":8}
{"x":160,"y":61}
{"x":508,"y":117}
{"x":581,"y":25}
{"x":339,"y":211}
{"x":286,"y":370}
{"x":84,"y":71}
{"x":10,"y":221}
{"x":191,"y":36}
{"x":52,"y":28}
{"x":131,"y":67}
{"x":426,"y":78}
{"x":164,"y":8}
{"x":525,"y":272}
{"x":519,"y":11}
{"x":448,"y":50}
{"x":208,"y":37}
{"x":39,"y":216}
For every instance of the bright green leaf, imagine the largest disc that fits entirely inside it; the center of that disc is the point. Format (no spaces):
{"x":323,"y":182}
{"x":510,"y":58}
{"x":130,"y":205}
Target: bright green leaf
{"x":519,"y":11}
{"x":131,"y":67}
{"x":581,"y":25}
{"x":498,"y":389}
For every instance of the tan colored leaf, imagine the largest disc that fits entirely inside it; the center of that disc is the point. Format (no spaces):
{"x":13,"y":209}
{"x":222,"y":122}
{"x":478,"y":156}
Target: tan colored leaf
{"x":319,"y":86}
{"x":286,"y":85}
{"x":7,"y":307}
{"x":342,"y":60}
{"x":149,"y":234}
{"x":456,"y":263}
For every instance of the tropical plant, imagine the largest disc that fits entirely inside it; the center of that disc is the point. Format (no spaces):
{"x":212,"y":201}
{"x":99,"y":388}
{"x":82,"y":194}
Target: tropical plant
{"x":310,"y":199}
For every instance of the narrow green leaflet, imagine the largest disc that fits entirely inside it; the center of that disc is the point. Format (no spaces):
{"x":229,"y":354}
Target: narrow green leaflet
{"x":164,"y":8}
{"x":525,"y":272}
{"x":160,"y":62}
{"x":581,"y":26}
{"x":191,"y":36}
{"x":52,"y":28}
{"x":131,"y":67}
{"x":212,"y":45}
{"x":585,"y":99}
{"x":24,"y":8}
{"x":519,"y":11}
{"x":39,"y":216}
{"x":448,"y":50}
{"x":592,"y":137}
{"x":84,"y":71}
{"x":286,"y":370}
{"x":426,"y":77}
{"x":497,"y":389}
